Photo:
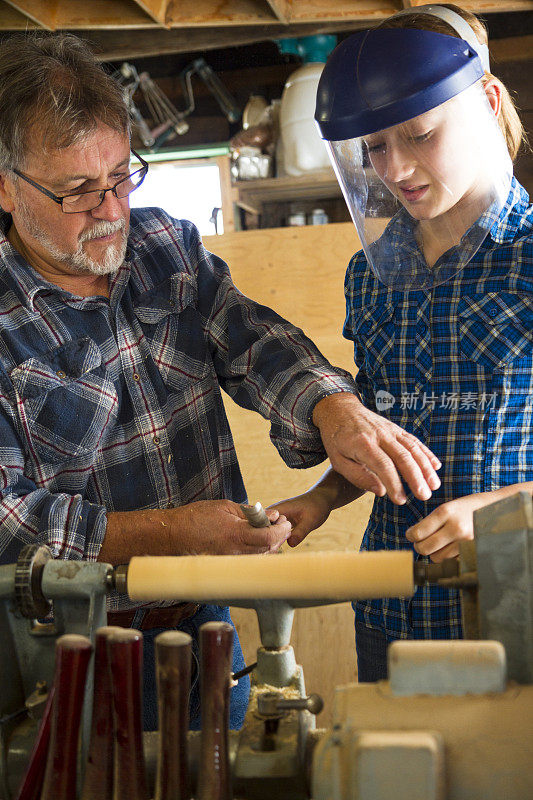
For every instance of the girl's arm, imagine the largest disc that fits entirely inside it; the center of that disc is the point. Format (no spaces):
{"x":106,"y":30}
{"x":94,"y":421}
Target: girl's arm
{"x":310,"y":510}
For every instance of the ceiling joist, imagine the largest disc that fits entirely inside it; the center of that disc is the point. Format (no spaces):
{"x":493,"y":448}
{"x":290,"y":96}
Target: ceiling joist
{"x":121,"y":29}
{"x":176,"y":14}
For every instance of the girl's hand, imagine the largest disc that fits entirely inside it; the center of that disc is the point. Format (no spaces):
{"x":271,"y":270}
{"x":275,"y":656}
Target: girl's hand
{"x":305,"y":512}
{"x":439,"y":534}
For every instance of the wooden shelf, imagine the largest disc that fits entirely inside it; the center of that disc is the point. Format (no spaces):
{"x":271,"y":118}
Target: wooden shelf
{"x":252,"y":195}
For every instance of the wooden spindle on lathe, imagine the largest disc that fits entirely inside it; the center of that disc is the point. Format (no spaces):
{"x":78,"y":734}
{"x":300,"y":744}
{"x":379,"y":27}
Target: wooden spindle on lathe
{"x":125,"y":661}
{"x":216,"y":650}
{"x":98,"y":778}
{"x":173,"y":651}
{"x":73,"y":653}
{"x":324,"y":576}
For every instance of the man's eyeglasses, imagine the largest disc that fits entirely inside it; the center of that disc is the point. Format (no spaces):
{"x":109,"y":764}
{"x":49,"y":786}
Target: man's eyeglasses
{"x":88,"y":201}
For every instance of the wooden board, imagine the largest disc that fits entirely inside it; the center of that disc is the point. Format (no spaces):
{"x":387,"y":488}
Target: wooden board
{"x":299,"y":272}
{"x":268,"y":15}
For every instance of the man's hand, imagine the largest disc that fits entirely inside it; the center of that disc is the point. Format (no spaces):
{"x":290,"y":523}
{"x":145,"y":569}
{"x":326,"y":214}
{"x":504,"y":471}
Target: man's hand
{"x":372,"y":452}
{"x":209,"y":527}
{"x":219,"y":527}
{"x":439,"y":534}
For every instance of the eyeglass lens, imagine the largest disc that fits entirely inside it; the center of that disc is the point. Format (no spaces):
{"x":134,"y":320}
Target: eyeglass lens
{"x":89,"y":200}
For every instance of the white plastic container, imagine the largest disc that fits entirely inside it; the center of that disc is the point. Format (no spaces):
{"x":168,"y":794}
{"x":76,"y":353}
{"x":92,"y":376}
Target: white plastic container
{"x":303,"y":149}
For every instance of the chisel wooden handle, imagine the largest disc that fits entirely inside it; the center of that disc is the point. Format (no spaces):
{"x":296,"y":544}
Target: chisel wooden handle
{"x":216,"y":649}
{"x":125,"y":652}
{"x":32,"y":782}
{"x":72,"y":659}
{"x":98,"y":779}
{"x":173,"y":651}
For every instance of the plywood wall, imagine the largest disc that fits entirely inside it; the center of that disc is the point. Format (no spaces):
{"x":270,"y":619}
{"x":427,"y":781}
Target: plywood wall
{"x":299,"y":272}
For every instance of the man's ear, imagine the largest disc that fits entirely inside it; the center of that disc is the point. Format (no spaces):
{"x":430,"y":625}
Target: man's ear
{"x":493,"y":90}
{"x":7,"y":192}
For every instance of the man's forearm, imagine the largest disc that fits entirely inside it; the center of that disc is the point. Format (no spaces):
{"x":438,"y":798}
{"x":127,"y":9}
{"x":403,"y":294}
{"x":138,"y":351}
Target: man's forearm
{"x":208,"y":527}
{"x":149,"y":532}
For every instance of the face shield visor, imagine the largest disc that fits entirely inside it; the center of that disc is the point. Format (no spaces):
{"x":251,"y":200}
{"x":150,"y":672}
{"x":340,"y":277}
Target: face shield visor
{"x":425,"y":192}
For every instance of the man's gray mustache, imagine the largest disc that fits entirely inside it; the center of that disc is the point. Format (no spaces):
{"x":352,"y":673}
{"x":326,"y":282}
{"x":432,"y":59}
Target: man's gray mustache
{"x":102,"y":229}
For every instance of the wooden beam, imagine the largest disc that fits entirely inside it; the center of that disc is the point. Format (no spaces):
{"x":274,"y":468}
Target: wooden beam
{"x":353,"y":10}
{"x":76,"y":14}
{"x":120,"y":45}
{"x":14,"y":20}
{"x":219,"y":13}
{"x":135,"y":14}
{"x":484,"y":6}
{"x":40,"y":12}
{"x":156,"y":9}
{"x":101,"y":14}
{"x":226,"y":191}
{"x":282,"y":9}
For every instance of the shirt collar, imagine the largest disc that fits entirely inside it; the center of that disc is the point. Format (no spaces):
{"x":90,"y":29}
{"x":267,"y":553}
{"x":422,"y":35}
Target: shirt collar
{"x":509,"y":219}
{"x":503,"y":226}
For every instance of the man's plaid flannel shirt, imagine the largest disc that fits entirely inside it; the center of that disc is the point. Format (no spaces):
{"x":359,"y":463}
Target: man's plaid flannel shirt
{"x":115,"y":404}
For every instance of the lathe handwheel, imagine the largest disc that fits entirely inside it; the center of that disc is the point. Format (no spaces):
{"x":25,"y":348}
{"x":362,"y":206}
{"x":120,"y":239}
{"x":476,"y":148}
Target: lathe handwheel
{"x":28,"y":594}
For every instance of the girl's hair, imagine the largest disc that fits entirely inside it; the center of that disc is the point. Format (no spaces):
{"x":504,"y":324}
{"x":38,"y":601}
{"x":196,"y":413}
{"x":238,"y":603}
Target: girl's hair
{"x":51,"y":85}
{"x":508,"y":120}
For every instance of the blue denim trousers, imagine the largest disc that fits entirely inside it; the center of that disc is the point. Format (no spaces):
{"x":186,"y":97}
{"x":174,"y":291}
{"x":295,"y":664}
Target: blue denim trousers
{"x":371,"y":647}
{"x":239,"y":693}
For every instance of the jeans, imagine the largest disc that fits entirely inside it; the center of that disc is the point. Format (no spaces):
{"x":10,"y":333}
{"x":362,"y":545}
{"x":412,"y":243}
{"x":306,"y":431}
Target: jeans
{"x":239,"y":693}
{"x":371,"y":647}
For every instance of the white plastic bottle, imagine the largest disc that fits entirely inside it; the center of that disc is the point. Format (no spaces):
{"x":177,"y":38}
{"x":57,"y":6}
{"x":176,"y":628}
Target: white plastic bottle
{"x":303,"y":149}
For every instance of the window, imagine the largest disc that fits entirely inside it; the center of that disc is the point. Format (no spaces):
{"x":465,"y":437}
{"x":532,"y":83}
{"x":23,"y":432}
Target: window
{"x":185,"y":190}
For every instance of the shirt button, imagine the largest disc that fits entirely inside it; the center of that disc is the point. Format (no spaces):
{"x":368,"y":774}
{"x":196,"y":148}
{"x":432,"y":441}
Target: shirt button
{"x":60,"y":374}
{"x":493,"y":311}
{"x":136,"y":376}
{"x":156,"y":440}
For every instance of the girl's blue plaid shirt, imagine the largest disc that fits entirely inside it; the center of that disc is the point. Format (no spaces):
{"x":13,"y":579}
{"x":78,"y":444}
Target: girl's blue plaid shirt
{"x":454,"y":366}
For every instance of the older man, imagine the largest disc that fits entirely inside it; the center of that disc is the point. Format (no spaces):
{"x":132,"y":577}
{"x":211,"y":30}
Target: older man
{"x":117,"y":333}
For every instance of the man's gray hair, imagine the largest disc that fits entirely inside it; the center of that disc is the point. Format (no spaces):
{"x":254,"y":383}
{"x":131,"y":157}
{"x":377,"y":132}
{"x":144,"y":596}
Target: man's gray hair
{"x":52,"y":87}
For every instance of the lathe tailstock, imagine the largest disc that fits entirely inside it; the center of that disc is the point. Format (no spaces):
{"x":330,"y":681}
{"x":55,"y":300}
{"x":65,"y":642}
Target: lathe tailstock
{"x":454,"y":721}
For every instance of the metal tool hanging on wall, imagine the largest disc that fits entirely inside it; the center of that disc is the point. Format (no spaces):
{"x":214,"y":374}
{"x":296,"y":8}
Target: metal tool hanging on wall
{"x":170,"y":120}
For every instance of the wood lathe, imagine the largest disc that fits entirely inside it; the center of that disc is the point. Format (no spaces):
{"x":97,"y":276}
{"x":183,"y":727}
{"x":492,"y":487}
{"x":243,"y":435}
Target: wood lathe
{"x":454,"y":721}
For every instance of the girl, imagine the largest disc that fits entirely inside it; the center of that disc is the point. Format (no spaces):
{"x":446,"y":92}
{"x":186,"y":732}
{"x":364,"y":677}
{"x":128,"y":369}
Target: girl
{"x":439,"y":301}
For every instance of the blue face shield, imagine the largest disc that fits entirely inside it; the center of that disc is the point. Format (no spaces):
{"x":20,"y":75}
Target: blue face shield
{"x":425,"y":190}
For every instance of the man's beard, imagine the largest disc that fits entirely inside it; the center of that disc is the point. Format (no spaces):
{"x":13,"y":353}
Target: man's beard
{"x":79,"y":261}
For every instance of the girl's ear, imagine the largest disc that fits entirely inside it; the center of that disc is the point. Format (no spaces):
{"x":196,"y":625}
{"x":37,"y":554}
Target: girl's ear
{"x":493,"y":90}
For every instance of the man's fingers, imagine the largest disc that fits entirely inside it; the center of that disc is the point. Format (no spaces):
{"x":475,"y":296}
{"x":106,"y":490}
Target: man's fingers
{"x":414,"y":467}
{"x":376,"y":470}
{"x":435,"y":462}
{"x":264,"y":540}
{"x":423,"y":457}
